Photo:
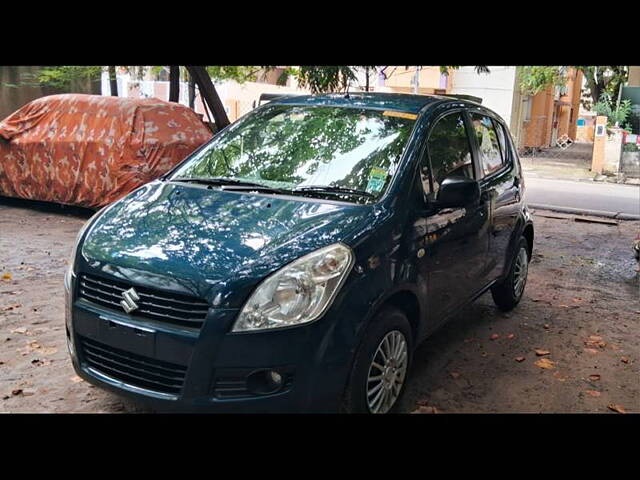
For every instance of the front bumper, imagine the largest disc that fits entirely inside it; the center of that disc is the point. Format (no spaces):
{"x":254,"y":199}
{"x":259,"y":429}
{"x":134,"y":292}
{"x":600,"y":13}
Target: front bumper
{"x":180,"y":369}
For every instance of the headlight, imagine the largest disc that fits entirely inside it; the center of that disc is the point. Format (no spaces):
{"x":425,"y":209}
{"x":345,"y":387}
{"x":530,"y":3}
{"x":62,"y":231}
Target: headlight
{"x":69,"y":278}
{"x":299,"y":292}
{"x":72,"y":259}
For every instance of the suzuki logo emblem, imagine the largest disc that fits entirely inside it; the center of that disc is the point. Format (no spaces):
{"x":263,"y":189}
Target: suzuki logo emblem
{"x":129,"y":299}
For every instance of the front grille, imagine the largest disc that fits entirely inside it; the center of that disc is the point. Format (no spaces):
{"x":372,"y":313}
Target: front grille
{"x":175,"y":309}
{"x":133,"y":369}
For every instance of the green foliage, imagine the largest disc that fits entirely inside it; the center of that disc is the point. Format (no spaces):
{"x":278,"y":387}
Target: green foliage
{"x":601,"y":79}
{"x":321,"y":79}
{"x":284,"y":76}
{"x":535,"y":79}
{"x":630,"y":147}
{"x":332,"y":78}
{"x":616,"y":115}
{"x":62,"y":77}
{"x":444,"y":69}
{"x":239,"y":73}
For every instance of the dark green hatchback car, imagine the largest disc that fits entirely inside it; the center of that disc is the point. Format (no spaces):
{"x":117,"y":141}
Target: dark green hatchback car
{"x":294,"y":262}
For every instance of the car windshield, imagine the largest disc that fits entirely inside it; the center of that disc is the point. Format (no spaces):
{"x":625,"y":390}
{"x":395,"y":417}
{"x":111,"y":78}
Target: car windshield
{"x":321,"y":151}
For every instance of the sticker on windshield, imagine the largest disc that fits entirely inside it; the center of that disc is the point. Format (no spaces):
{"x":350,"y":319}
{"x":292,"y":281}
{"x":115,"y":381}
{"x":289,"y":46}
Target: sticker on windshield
{"x":390,"y":113}
{"x":377,"y":179}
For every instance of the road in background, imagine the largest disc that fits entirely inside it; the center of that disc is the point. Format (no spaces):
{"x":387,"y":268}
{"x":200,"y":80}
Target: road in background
{"x":596,"y":197}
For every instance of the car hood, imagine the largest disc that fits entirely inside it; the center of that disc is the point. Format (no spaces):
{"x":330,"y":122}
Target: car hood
{"x":211,"y":243}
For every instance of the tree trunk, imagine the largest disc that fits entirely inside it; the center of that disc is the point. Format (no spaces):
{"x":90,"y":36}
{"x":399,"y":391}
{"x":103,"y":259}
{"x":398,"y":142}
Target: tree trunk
{"x":192,"y":93}
{"x":113,"y":81}
{"x":591,"y":79}
{"x":209,"y":95}
{"x":174,"y":84}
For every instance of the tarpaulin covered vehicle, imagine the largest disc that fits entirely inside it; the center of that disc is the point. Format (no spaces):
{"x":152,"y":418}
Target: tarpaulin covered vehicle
{"x":90,"y":150}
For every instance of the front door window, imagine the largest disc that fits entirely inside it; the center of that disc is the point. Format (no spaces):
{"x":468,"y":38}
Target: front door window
{"x":448,"y":150}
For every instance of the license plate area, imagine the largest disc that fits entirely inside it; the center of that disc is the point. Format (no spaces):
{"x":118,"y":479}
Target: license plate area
{"x":127,"y":337}
{"x":116,"y":333}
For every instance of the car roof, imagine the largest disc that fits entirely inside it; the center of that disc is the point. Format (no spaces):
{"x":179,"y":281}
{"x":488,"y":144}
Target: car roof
{"x":402,"y":102}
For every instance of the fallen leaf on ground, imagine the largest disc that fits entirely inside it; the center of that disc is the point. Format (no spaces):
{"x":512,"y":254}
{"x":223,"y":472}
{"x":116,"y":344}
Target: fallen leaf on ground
{"x":544,"y":363}
{"x":11,"y":307}
{"x":19,"y":330}
{"x":454,"y":374}
{"x":594,"y":377}
{"x":541,"y":353}
{"x":593,"y":351}
{"x":425,"y":409}
{"x":560,"y":377}
{"x":593,"y":393}
{"x":520,"y":359}
{"x":495,"y":336}
{"x":29,"y":347}
{"x":595,"y":341}
{"x":510,"y":336}
{"x":6,"y":276}
{"x":616,"y":408}
{"x":17,"y":391}
{"x":624,"y":360}
{"x":546,"y":326}
{"x":76,"y":379}
{"x":28,"y":393}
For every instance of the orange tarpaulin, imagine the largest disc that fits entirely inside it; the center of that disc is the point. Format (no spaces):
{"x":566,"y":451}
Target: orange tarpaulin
{"x":90,"y":150}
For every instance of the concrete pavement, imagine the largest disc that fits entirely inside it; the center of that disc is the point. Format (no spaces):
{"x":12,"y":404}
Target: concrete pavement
{"x":605,"y":199}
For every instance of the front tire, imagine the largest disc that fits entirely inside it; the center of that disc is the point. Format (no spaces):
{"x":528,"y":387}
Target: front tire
{"x":380,"y":369}
{"x":508,"y":293}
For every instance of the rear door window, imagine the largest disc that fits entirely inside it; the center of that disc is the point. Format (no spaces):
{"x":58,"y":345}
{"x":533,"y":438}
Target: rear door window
{"x":489,"y":141}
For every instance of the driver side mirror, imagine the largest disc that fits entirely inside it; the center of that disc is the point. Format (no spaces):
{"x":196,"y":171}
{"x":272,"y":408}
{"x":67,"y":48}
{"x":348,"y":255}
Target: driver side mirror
{"x":457,"y":192}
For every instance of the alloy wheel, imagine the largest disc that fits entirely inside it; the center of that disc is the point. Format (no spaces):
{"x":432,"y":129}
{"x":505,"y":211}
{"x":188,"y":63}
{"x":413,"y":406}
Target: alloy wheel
{"x":387,"y":372}
{"x":520,"y":272}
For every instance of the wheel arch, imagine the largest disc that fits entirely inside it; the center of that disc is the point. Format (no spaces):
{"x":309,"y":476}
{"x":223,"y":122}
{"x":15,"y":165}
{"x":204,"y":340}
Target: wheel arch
{"x":407,"y":301}
{"x":528,"y":234}
{"x":524,"y":229}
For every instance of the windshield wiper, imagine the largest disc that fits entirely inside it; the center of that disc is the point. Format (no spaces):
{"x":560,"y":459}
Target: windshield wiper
{"x":217,"y":181}
{"x":232,"y":184}
{"x":236,"y":184}
{"x":334,"y":190}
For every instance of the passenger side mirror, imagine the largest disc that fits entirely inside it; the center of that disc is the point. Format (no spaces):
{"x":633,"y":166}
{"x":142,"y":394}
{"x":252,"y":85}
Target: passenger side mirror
{"x":458,"y":192}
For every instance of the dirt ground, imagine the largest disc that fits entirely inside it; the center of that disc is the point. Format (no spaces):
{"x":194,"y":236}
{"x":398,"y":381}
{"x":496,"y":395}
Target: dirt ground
{"x":581,"y":312}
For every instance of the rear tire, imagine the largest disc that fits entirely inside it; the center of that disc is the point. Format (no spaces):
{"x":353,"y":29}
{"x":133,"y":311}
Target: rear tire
{"x":508,"y":293}
{"x":380,"y":369}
